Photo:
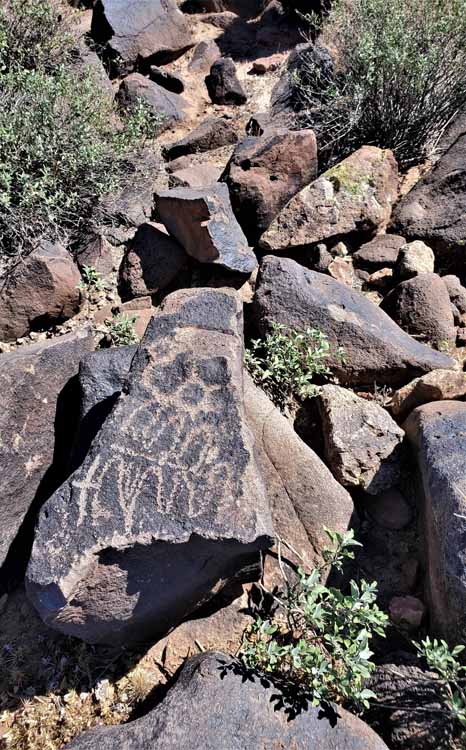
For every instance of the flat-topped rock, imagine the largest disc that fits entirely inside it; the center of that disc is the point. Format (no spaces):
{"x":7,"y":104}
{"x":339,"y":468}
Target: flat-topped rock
{"x":168,"y":503}
{"x":202,"y":221}
{"x":376,"y":350}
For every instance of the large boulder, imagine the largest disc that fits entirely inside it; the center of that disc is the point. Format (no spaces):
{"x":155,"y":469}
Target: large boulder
{"x":376,"y":350}
{"x":212,"y":705}
{"x":36,"y":425}
{"x":203,"y":222}
{"x":151,"y":262}
{"x":168,"y":504}
{"x":421,"y":307}
{"x":264,"y":173}
{"x":40,"y":291}
{"x":381,"y":252}
{"x":438,"y":385}
{"x":433,"y":211}
{"x":362,"y":442}
{"x":170,"y":108}
{"x":214,"y":132}
{"x":437,"y":432}
{"x":140,"y":32}
{"x":302,"y":492}
{"x":355,"y":196}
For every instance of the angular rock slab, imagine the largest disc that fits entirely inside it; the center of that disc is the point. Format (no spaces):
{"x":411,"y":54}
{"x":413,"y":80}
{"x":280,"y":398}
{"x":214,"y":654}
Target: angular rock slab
{"x":32,"y":383}
{"x":168,"y":503}
{"x":202,"y":221}
{"x":438,"y":385}
{"x":375,"y":348}
{"x":362,"y":441}
{"x":355,"y":196}
{"x":140,"y":31}
{"x":437,"y":432}
{"x":213,"y":706}
{"x":171,"y":108}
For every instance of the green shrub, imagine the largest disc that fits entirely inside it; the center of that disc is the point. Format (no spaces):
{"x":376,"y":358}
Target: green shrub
{"x":61,"y":145}
{"x":400,"y":77}
{"x":443,"y":660}
{"x":120,"y":330}
{"x":315,"y":646}
{"x":286,"y":362}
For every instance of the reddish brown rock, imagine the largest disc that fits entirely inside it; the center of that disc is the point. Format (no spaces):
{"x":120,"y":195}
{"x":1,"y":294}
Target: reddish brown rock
{"x":438,"y":385}
{"x":264,"y":173}
{"x":210,"y":134}
{"x":406,"y":611}
{"x":169,"y":107}
{"x":42,"y":290}
{"x":381,"y":252}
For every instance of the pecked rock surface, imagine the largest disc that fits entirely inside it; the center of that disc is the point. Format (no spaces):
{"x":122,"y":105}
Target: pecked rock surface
{"x":203,"y":222}
{"x":375,"y":348}
{"x":33,"y":383}
{"x":437,"y":432}
{"x":140,"y":31}
{"x":168,"y":503}
{"x":355,"y":196}
{"x":213,"y":706}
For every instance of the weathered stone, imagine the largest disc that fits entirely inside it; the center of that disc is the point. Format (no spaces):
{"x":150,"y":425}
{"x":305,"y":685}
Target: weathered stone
{"x":152,"y":261}
{"x":264,"y":65}
{"x":319,"y":58}
{"x":438,"y":385}
{"x":362,"y":442}
{"x":354,"y":196}
{"x":376,"y":350}
{"x":265,"y":122}
{"x":204,"y":55}
{"x":36,"y":425}
{"x":41,"y":290}
{"x":171,"y":108}
{"x":264,"y":173}
{"x":437,"y":432}
{"x":197,"y":176}
{"x":390,"y":510}
{"x":433,"y":211}
{"x":168,"y":504}
{"x":203,"y":222}
{"x":246,"y":8}
{"x":421,"y":306}
{"x":140,"y":32}
{"x":414,"y":258}
{"x":457,"y":292}
{"x":409,"y":710}
{"x":381,"y":279}
{"x":302,"y":492}
{"x":207,"y":707}
{"x":166,"y":79}
{"x":210,"y":134}
{"x":381,"y":252}
{"x":342,"y":270}
{"x":97,"y":252}
{"x":406,"y":611}
{"x":223,"y":84}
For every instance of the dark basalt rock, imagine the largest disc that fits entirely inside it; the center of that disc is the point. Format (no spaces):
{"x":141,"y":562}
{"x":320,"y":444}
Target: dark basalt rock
{"x":376,"y":350}
{"x":215,"y":704}
{"x":171,"y":108}
{"x":210,"y":134}
{"x":223,"y":84}
{"x":168,"y":504}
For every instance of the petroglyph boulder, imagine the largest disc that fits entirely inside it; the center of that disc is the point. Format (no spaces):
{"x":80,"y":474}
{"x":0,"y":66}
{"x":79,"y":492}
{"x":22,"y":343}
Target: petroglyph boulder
{"x":168,"y":504}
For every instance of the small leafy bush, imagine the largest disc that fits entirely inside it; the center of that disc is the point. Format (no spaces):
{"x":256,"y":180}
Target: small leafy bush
{"x":286,"y":362}
{"x":316,"y":643}
{"x":399,"y":79}
{"x":91,"y":281}
{"x":61,"y":143}
{"x":120,"y":330}
{"x":443,"y":660}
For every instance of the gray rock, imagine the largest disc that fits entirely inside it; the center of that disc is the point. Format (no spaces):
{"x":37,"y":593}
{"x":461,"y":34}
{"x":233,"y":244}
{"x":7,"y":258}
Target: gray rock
{"x":204,"y":55}
{"x":140,"y":31}
{"x":437,"y":432}
{"x":197,"y":176}
{"x":37,"y":396}
{"x":212,"y":705}
{"x":166,"y":79}
{"x":381,"y":252}
{"x":210,"y":134}
{"x":223,"y":84}
{"x":376,"y":350}
{"x":40,"y":291}
{"x":414,"y":258}
{"x":421,"y":307}
{"x":457,"y":292}
{"x":355,"y":196}
{"x":168,"y":504}
{"x":264,"y":173}
{"x":302,"y":491}
{"x":362,"y":442}
{"x":152,"y":261}
{"x":203,"y":222}
{"x":171,"y":108}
